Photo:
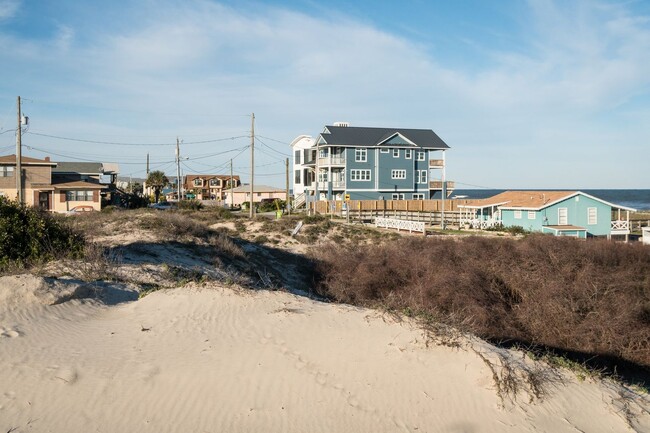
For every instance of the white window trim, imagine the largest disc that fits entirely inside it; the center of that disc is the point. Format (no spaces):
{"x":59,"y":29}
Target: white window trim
{"x":384,"y":150}
{"x":559,"y":210}
{"x":591,"y":221}
{"x":358,"y":174}
{"x":517,"y":214}
{"x":398,"y":196}
{"x":421,"y":156}
{"x":395,"y":153}
{"x":421,"y":176}
{"x":360,"y":155}
{"x":532,"y":215}
{"x":398,"y":174}
{"x":408,"y":153}
{"x":418,"y":196}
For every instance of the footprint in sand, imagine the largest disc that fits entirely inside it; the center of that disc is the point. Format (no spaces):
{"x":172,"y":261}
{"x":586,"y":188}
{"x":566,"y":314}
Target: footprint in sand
{"x":67,"y":375}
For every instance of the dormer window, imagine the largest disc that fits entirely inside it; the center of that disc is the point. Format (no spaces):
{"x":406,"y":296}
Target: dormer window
{"x":215,"y":182}
{"x":198,"y":182}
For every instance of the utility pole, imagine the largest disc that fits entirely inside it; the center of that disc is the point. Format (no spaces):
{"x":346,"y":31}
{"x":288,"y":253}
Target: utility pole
{"x":286,"y":202}
{"x":19,"y":158}
{"x":178,"y":171}
{"x":232,"y":195}
{"x":147,"y":164}
{"x":252,"y":209}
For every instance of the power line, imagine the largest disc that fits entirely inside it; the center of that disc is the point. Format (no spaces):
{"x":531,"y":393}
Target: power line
{"x":134,"y":144}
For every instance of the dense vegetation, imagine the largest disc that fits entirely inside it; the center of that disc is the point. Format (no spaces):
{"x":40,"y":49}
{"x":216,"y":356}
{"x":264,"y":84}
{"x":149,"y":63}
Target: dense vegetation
{"x":29,"y":235}
{"x":588,"y":298}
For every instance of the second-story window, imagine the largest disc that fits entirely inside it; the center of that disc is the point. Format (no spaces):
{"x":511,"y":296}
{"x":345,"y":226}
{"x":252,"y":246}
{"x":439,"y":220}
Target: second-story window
{"x":395,"y":153}
{"x":398,"y":174}
{"x":214,"y":182}
{"x":198,"y":182}
{"x":408,"y":153}
{"x":361,"y":155}
{"x":6,"y":171}
{"x":421,"y":155}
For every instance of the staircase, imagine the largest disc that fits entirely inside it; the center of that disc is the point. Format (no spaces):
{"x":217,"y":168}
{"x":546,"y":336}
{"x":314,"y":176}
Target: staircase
{"x":299,"y":201}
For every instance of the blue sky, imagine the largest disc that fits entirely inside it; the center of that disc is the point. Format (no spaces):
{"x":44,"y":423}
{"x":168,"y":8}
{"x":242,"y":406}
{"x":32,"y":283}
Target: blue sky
{"x":528,"y":94}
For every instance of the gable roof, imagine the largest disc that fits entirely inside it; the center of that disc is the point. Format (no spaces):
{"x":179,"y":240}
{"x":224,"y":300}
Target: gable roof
{"x":531,"y":200}
{"x":369,"y":137}
{"x":11,"y":160}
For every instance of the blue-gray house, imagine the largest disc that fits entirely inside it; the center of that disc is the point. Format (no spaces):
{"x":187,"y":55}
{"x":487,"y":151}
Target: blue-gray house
{"x":561,"y":213}
{"x":365,"y":163}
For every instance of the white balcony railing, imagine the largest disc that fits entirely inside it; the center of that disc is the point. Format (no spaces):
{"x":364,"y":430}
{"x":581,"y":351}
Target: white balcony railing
{"x":620,"y":225}
{"x":334,"y":160}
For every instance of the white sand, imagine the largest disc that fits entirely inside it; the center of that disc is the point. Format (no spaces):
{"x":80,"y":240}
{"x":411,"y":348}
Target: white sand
{"x":214,"y":359}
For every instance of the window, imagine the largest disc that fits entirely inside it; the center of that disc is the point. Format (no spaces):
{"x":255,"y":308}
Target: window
{"x":361,"y":155}
{"x":296,"y":177}
{"x":398,"y":174}
{"x":562,"y":216}
{"x":323,"y":177}
{"x":421,"y":155}
{"x":517,"y":214}
{"x":198,"y":182}
{"x":384,"y":150}
{"x":418,"y":196}
{"x":259,"y":194}
{"x":531,"y":214}
{"x":214,"y":182}
{"x":79,"y":196}
{"x":359,"y":175}
{"x":395,"y":153}
{"x":322,"y":153}
{"x":408,"y":153}
{"x":592,"y":215}
{"x":398,"y":196}
{"x":6,"y":171}
{"x":420,"y":176}
{"x":296,"y":157}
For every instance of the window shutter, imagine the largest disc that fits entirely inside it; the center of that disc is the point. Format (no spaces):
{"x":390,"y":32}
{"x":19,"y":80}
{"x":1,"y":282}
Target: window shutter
{"x":95,"y":195}
{"x":62,"y":196}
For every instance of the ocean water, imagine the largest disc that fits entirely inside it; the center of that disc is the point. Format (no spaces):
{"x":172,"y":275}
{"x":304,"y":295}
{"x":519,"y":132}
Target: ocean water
{"x":638,"y":199}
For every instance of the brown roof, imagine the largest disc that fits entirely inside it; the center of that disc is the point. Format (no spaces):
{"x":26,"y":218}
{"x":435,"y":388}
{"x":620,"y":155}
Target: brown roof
{"x":209,"y":176}
{"x":11,"y":159}
{"x":82,"y":184}
{"x":522,"y":199}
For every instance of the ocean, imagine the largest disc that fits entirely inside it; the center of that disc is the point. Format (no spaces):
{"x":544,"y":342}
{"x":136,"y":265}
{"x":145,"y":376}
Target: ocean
{"x":638,"y":199}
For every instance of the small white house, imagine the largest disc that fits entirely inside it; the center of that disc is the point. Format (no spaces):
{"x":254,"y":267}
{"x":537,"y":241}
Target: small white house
{"x":646,"y":236}
{"x":302,"y":174}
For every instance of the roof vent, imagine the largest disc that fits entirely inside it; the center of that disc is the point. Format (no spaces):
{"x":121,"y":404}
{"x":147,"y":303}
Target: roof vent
{"x":342,"y":124}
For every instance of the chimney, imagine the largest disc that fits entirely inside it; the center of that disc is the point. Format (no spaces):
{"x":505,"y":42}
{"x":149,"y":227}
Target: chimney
{"x":47,"y":158}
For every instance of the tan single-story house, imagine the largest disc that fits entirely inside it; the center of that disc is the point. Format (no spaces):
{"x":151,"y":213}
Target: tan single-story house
{"x":242,"y":194}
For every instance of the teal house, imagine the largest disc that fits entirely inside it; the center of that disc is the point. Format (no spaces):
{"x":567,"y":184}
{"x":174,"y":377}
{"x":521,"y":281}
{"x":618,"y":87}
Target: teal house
{"x":561,"y":213}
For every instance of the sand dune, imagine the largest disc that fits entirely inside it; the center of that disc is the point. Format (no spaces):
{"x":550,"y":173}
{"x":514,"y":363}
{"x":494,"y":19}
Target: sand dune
{"x":215,"y":359}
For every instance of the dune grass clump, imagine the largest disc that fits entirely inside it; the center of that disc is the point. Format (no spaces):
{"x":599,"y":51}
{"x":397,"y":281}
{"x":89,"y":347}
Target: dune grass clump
{"x":590,"y":299}
{"x":31,"y":235}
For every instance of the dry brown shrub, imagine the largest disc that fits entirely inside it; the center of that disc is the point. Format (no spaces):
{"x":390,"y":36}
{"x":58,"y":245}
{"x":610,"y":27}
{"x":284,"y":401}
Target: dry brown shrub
{"x":588,"y":297}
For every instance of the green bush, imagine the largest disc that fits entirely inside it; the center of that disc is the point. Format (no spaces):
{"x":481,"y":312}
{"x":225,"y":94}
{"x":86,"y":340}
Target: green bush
{"x":29,"y":235}
{"x":190,"y":204}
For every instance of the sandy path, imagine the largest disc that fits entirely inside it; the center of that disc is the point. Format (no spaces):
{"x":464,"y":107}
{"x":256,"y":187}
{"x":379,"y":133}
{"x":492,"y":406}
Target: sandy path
{"x":217,"y":360}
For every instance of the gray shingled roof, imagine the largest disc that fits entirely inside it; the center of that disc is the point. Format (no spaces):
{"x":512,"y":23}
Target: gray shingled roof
{"x":78,"y":167}
{"x":362,"y":136}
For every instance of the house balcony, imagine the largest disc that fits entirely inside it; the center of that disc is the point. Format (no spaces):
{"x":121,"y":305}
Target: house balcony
{"x":331,"y":161}
{"x":437,"y":185}
{"x":620,"y":227}
{"x":436,"y":163}
{"x":338,"y":184}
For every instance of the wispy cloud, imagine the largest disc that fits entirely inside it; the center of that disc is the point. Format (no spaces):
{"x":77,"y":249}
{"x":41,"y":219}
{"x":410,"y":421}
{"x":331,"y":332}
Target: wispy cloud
{"x":8,"y":8}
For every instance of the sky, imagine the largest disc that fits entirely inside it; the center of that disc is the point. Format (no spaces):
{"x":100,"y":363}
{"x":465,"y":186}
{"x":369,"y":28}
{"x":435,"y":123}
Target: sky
{"x":528,"y":94}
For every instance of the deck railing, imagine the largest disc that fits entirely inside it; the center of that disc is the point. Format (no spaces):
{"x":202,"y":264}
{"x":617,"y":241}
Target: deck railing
{"x":436,"y":163}
{"x":620,"y":225}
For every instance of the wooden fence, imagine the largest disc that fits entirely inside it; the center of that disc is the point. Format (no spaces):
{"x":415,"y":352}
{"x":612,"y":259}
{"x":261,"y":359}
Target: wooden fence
{"x":428,"y":211}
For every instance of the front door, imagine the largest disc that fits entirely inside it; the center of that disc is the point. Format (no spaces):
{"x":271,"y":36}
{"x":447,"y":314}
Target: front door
{"x":44,"y":200}
{"x":562,"y":216}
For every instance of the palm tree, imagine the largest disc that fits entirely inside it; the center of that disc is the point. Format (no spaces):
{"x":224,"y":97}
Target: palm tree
{"x":157,"y":180}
